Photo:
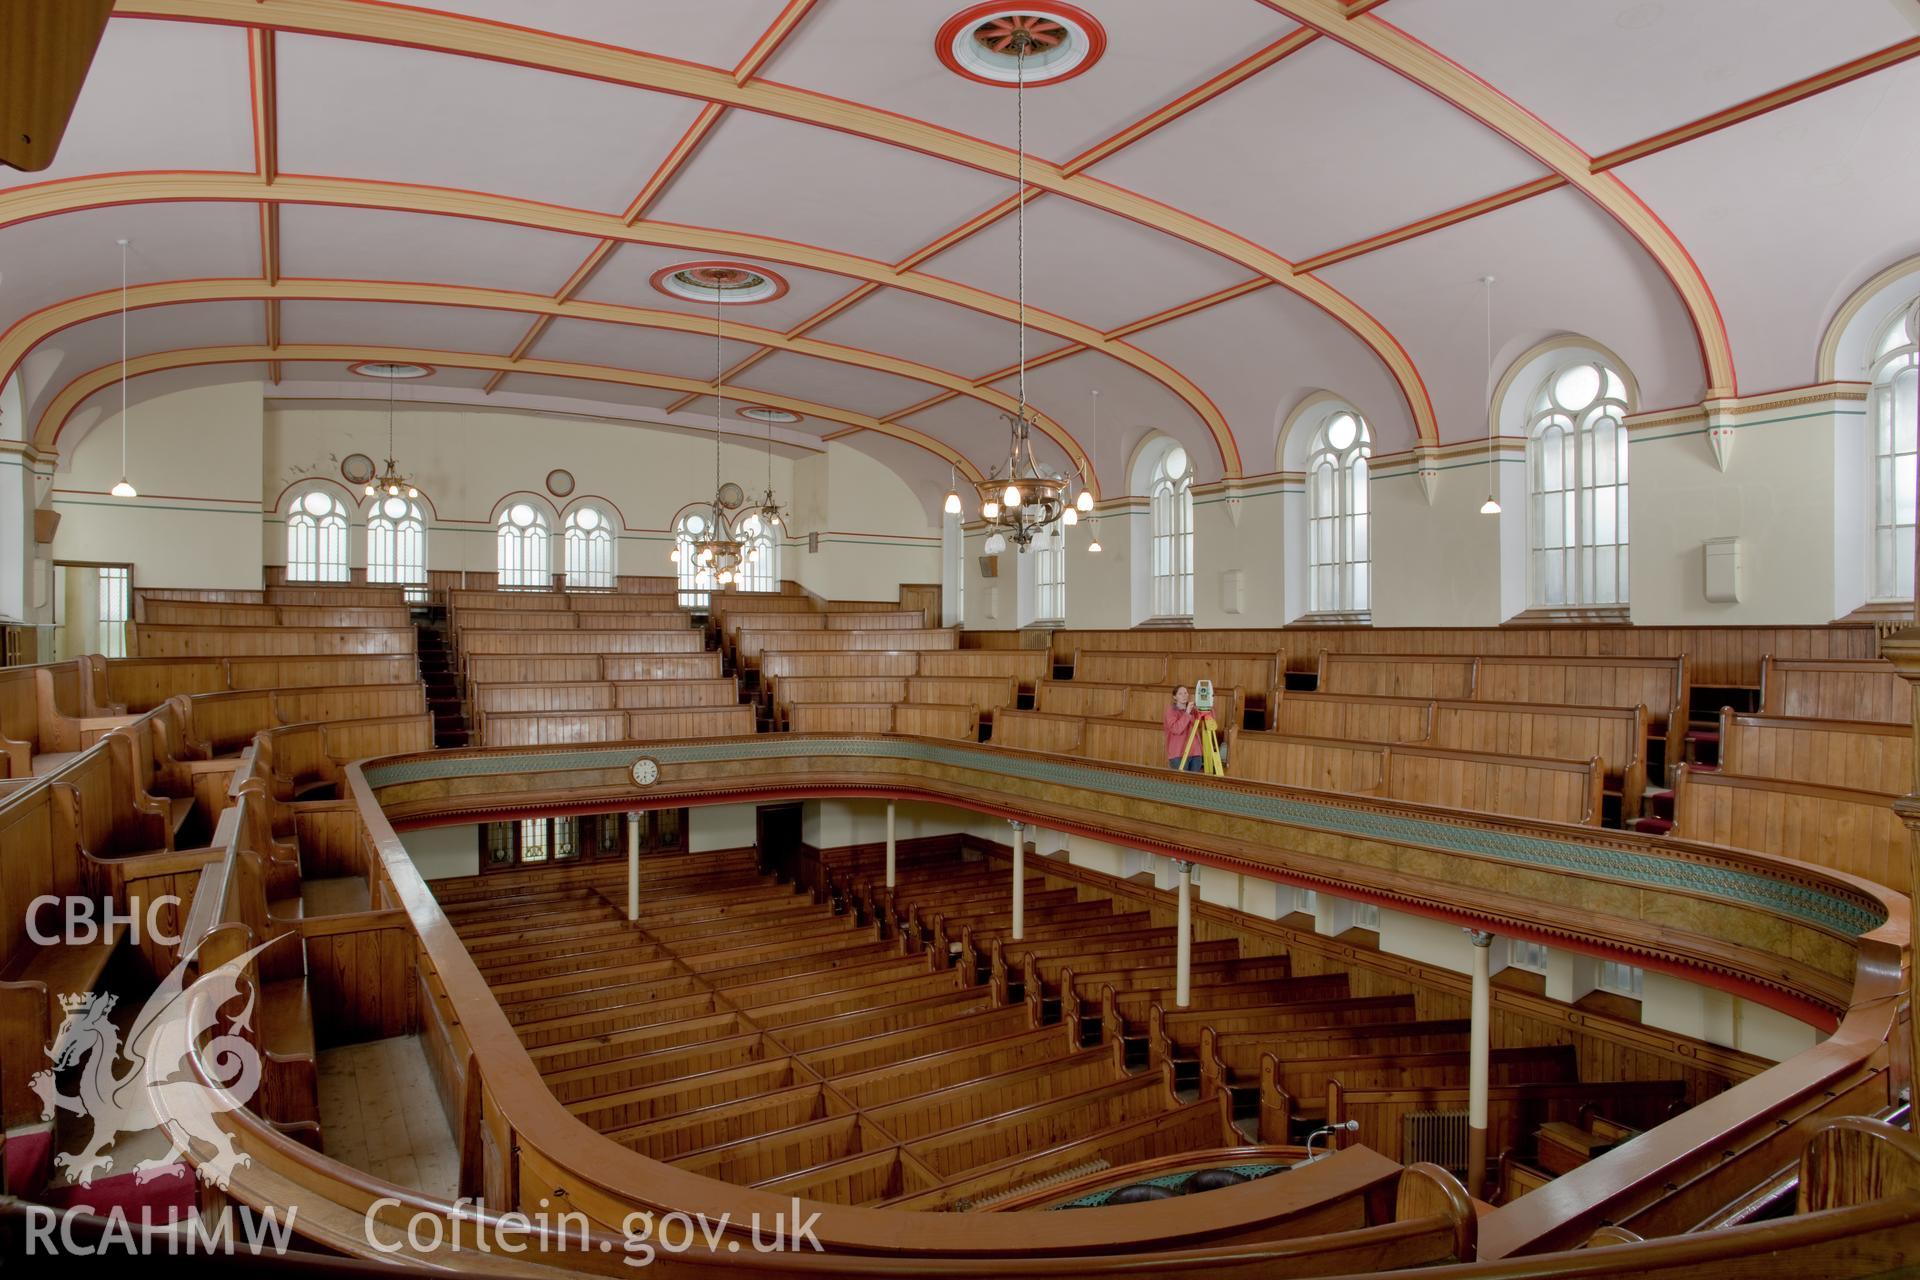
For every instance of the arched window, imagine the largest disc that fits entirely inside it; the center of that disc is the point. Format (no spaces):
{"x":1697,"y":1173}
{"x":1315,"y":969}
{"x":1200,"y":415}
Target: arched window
{"x":1339,"y":536}
{"x":396,"y":541}
{"x":1049,"y":552}
{"x":695,"y":581}
{"x":521,"y":545}
{"x":591,"y":551}
{"x":760,"y":549}
{"x":1171,"y":490}
{"x":316,"y":538}
{"x":1577,"y":461}
{"x":1891,"y":411}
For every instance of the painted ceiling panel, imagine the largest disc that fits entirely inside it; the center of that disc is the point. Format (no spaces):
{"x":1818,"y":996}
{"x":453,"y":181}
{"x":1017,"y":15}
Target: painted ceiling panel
{"x":1326,"y":148}
{"x":980,"y":433}
{"x":344,"y":243}
{"x":578,"y":393}
{"x":1684,"y":58}
{"x":83,"y":348}
{"x":49,"y":260}
{"x":1087,"y":265}
{"x":1761,"y":206}
{"x":160,"y":95}
{"x":381,"y":324}
{"x":316,"y":372}
{"x":823,"y":187}
{"x":1131,"y":405}
{"x":843,"y":386}
{"x":1560,"y":266}
{"x":913,"y":327}
{"x":622,"y":346}
{"x":1260,"y":355}
{"x":355,"y":109}
{"x":627,"y":274}
{"x":882,"y":52}
{"x":715,"y":32}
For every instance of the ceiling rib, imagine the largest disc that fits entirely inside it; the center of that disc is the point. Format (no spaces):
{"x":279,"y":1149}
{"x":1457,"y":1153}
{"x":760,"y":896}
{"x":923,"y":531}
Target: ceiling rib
{"x":1392,"y":48}
{"x":451,"y":34}
{"x":34,"y":329}
{"x":76,"y":392}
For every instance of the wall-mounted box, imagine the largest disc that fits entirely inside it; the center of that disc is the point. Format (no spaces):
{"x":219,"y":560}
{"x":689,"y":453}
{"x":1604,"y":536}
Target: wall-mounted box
{"x":1722,"y":570}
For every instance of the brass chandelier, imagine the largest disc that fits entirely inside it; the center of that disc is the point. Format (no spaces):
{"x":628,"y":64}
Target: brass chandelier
{"x":1020,"y":499}
{"x":390,"y":481}
{"x":718,"y":559}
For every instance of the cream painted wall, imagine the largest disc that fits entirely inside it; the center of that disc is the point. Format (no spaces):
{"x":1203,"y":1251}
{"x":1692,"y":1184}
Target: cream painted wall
{"x":875,"y":530}
{"x":1240,"y":572}
{"x":1802,"y":551}
{"x":196,"y":461}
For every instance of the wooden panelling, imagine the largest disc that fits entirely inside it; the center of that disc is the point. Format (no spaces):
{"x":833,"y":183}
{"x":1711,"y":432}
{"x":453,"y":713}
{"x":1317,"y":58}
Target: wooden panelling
{"x":1361,"y":718}
{"x":690,"y":722}
{"x":937,"y":720}
{"x":1858,"y":754}
{"x":1720,"y":656}
{"x":1396,"y":675}
{"x":1852,"y":831}
{"x":152,"y":640}
{"x":506,"y":643}
{"x":1835,"y":691}
{"x":1321,"y":764}
{"x":841,"y":717}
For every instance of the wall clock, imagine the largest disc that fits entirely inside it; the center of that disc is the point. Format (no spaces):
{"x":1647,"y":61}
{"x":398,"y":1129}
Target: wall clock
{"x":646,"y":771}
{"x":357,"y":468}
{"x":559,"y":483}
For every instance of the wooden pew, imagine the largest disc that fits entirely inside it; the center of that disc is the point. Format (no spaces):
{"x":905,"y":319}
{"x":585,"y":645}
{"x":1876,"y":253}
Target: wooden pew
{"x":1852,"y":831}
{"x":1518,"y":786}
{"x":1257,"y":675}
{"x":1397,"y":675}
{"x":752,"y":644}
{"x":1863,"y":690}
{"x":1617,"y":735}
{"x":838,"y":664}
{"x":338,"y":597}
{"x":937,"y":720}
{"x":1125,"y":702}
{"x":511,"y":643}
{"x":1513,"y":1110}
{"x":785,"y":691}
{"x":154,"y":640}
{"x":1026,"y":666}
{"x":1860,"y":754}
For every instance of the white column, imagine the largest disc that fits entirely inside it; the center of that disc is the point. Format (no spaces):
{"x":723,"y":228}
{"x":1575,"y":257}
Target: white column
{"x":1479,"y":1045}
{"x":1019,"y":879}
{"x":633,"y":864}
{"x":890,"y":844}
{"x":1183,"y":938}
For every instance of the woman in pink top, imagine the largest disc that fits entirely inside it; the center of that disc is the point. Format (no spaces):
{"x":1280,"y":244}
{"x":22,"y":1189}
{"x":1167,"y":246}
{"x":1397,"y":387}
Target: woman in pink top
{"x":1177,"y":723}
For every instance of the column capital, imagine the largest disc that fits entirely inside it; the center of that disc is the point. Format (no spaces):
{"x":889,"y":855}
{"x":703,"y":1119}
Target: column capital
{"x":1479,"y":937}
{"x":1016,"y":823}
{"x":1183,"y":866}
{"x":633,"y":815}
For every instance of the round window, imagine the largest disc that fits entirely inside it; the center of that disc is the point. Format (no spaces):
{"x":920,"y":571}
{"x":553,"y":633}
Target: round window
{"x":317,"y":504}
{"x":588,"y":519}
{"x":394,"y":507}
{"x":1176,"y":463}
{"x":522,"y":515}
{"x":1576,"y":388}
{"x":1341,"y":431}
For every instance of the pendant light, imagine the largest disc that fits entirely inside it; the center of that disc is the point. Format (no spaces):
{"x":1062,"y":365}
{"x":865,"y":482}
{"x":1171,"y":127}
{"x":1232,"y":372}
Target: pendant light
{"x":125,"y":488}
{"x":1491,"y":507}
{"x":717,"y":552}
{"x":952,"y":505}
{"x":1019,"y":499}
{"x":390,"y":481}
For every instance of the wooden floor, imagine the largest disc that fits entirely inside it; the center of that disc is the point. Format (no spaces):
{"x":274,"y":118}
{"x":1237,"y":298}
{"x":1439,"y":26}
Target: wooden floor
{"x":380,"y":1114}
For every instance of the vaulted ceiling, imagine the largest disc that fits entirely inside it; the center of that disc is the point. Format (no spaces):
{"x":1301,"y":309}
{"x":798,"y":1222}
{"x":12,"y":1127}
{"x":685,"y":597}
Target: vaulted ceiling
{"x":1230,"y":205}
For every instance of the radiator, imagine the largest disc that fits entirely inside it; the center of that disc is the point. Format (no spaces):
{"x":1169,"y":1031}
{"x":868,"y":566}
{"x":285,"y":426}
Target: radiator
{"x":1438,"y":1136}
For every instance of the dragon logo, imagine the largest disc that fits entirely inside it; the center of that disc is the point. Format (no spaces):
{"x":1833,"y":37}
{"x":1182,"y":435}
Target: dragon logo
{"x":159,"y":1087}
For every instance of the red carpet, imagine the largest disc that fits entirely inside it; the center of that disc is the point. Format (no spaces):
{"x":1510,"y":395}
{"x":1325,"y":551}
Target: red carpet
{"x":163,"y":1199}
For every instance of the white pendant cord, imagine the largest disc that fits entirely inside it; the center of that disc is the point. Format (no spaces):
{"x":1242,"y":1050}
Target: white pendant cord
{"x":1487,"y":391}
{"x":719,"y":347}
{"x":123,"y":362}
{"x":1020,"y":207}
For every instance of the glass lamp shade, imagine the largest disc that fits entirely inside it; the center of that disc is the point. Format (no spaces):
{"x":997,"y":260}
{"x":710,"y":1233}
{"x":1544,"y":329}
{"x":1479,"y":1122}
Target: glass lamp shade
{"x":995,"y":544}
{"x":1011,"y":498}
{"x":673,"y":556}
{"x":370,"y":490}
{"x":1085,"y":501}
{"x":124,"y":490}
{"x":952,"y":505}
{"x":1490,"y":507}
{"x":989,"y":511}
{"x":1070,"y":517}
{"x":1094,"y":546}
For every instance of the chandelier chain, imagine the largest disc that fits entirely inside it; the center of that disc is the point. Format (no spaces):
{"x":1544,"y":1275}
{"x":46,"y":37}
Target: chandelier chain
{"x":123,"y":360}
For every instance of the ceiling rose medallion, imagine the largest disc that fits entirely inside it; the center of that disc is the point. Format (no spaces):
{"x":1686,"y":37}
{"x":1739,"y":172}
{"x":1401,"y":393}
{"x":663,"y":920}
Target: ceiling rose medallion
{"x":985,"y":43}
{"x":719,"y":283}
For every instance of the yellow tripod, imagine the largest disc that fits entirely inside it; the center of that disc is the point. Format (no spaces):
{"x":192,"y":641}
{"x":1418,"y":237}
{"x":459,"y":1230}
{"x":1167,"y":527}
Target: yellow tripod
{"x":1209,"y":735}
